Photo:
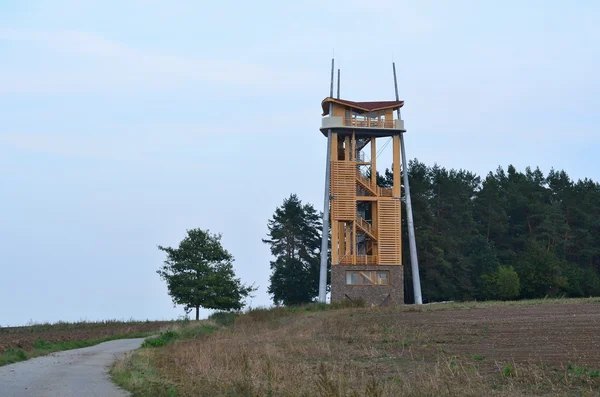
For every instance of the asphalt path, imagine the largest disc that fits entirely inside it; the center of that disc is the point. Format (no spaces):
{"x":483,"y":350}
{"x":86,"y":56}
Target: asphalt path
{"x":71,"y":373}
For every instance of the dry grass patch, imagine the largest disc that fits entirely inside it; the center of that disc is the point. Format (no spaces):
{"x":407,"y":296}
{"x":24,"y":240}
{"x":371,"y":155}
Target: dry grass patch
{"x":375,"y":352}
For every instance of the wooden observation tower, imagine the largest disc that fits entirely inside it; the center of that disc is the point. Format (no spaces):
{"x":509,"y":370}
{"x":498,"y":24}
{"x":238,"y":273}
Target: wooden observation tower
{"x":366,"y":241}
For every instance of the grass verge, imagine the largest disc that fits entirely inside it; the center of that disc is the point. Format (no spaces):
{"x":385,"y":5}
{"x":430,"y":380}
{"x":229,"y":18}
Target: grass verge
{"x":136,"y":372}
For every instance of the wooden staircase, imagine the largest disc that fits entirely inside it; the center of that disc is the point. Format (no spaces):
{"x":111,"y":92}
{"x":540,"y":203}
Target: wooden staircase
{"x":366,"y":228}
{"x":365,"y":183}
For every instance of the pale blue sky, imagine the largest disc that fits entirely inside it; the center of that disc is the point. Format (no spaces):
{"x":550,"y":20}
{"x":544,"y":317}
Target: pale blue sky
{"x":123,"y":123}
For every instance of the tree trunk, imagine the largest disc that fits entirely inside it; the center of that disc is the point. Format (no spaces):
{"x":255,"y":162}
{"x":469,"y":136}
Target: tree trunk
{"x":489,"y":228}
{"x":567,"y":232}
{"x":197,"y":313}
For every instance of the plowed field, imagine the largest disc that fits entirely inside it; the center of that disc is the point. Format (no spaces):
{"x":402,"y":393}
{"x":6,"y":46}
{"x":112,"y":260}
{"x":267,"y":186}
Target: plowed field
{"x":25,"y":337}
{"x":553,"y":334}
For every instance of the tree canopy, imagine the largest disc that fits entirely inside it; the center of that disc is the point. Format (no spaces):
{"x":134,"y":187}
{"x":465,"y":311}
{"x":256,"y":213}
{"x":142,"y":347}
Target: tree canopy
{"x":199,"y":273}
{"x":295,"y":242}
{"x":473,"y":233}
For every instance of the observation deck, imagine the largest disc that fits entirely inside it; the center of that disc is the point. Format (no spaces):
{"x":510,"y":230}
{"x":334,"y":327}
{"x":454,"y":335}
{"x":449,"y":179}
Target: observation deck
{"x":361,"y":118}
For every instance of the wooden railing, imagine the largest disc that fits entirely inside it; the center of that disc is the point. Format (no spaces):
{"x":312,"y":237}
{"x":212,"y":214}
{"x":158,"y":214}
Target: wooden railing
{"x":384,"y":192}
{"x":365,"y":225}
{"x":381,"y":191}
{"x":369,"y":123}
{"x":359,"y":259}
{"x":363,"y":178}
{"x":366,"y":259}
{"x":369,"y":246}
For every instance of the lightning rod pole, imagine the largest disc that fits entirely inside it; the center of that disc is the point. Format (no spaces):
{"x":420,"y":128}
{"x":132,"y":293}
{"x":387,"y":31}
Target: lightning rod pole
{"x":338,"y":85}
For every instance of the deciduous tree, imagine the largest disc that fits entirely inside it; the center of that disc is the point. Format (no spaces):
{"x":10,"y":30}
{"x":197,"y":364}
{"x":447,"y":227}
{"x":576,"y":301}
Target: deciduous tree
{"x":199,"y":273}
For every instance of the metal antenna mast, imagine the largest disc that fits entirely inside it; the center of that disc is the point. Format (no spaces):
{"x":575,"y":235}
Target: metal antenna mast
{"x":331,"y":86}
{"x":325,"y":233}
{"x":414,"y":261}
{"x":338,"y":85}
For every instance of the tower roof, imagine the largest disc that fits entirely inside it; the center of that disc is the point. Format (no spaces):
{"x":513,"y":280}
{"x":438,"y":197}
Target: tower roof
{"x":365,"y":106}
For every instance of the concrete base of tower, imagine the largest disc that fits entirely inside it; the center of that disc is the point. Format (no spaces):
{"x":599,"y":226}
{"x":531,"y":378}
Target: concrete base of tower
{"x":378,"y":295}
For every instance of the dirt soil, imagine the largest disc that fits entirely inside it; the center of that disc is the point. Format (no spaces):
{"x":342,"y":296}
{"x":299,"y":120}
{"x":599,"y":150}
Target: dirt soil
{"x":25,"y":337}
{"x":553,"y":334}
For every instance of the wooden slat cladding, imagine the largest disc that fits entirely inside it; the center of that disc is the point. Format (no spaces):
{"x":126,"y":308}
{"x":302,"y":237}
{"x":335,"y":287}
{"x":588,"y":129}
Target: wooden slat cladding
{"x":343,"y":190}
{"x":389,"y":232}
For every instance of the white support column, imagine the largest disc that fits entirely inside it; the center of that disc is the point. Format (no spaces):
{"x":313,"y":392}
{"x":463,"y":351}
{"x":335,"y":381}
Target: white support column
{"x":325,"y":234}
{"x":326,"y":195}
{"x":414,"y":260}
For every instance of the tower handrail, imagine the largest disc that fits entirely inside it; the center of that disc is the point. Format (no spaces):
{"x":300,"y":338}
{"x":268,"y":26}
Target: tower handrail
{"x":363,"y":178}
{"x":350,"y":259}
{"x":384,"y":192}
{"x":365,"y":225}
{"x":366,"y":259}
{"x":381,"y":191}
{"x":369,"y":122}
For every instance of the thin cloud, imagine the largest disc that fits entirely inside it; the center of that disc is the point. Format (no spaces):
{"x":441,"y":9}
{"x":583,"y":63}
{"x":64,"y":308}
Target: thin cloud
{"x":145,"y":147}
{"x":115,"y":66}
{"x":144,"y":142}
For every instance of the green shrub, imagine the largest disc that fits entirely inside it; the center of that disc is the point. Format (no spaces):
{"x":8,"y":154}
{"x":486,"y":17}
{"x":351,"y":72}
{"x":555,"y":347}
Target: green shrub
{"x":508,"y":283}
{"x":12,"y":356}
{"x":161,"y":340}
{"x":503,"y":284}
{"x":508,"y":371}
{"x":223,"y":318}
{"x":194,"y":332}
{"x":591,"y":283}
{"x":574,"y":276}
{"x":262,"y":314}
{"x":43,"y":345}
